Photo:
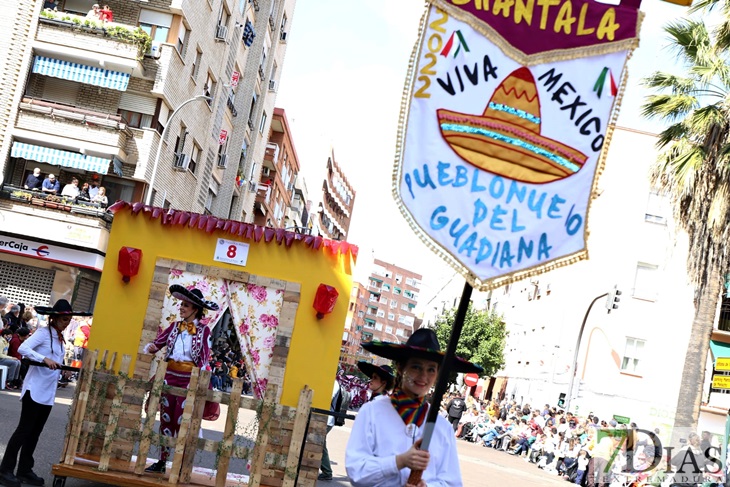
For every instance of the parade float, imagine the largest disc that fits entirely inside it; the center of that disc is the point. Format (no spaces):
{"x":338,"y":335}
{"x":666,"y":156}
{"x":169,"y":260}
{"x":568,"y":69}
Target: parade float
{"x":278,"y":289}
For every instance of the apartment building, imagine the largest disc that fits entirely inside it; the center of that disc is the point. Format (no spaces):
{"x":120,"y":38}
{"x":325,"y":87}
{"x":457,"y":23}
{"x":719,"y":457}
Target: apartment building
{"x":382,"y":310}
{"x":277,"y":202}
{"x":338,"y":201}
{"x":91,"y":100}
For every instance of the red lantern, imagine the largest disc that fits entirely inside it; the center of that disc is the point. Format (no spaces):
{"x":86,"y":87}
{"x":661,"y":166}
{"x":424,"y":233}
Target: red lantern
{"x":324,"y":300}
{"x":129,"y":259}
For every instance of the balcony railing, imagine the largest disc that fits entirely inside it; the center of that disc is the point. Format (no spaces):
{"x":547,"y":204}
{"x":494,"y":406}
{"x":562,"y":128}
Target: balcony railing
{"x":75,"y":114}
{"x":54,"y":202}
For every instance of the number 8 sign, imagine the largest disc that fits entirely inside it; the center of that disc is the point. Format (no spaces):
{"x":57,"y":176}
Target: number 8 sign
{"x":231,"y":251}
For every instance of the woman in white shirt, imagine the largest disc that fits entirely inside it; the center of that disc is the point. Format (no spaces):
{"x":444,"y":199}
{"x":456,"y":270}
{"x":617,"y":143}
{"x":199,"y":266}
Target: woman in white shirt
{"x":384,"y":444}
{"x":188,"y":346}
{"x":46,"y":345}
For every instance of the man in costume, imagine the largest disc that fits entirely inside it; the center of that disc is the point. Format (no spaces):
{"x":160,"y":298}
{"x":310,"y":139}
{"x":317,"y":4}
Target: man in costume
{"x":385,"y":441}
{"x":188,"y":346}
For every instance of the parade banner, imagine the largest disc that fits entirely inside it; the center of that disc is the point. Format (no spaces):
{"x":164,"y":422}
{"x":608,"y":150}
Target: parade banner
{"x":507,"y":115}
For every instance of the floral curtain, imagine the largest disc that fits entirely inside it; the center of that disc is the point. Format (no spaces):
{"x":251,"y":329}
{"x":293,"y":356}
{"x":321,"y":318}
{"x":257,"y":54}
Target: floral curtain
{"x":213,"y":289}
{"x":255,"y":311}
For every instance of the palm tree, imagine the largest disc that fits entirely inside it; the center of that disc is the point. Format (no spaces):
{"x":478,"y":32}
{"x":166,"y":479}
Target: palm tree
{"x":694,"y":170}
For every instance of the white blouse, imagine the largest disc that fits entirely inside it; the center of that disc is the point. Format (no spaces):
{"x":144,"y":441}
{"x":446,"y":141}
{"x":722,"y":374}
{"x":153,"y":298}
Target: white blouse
{"x":182,"y":351}
{"x":379,"y":434}
{"x":42,"y":381}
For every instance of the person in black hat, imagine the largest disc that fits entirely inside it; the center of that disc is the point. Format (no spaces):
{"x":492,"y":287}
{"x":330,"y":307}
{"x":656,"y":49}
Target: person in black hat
{"x":187,"y":343}
{"x":385,"y":441}
{"x":38,"y":393}
{"x":381,"y":378}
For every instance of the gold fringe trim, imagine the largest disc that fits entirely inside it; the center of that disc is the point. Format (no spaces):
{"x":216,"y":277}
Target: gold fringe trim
{"x":541,"y":57}
{"x":450,"y":259}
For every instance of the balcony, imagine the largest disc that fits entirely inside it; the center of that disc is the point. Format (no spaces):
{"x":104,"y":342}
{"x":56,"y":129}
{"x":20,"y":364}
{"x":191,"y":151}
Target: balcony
{"x":31,"y":201}
{"x":119,"y":46}
{"x":272,"y":152}
{"x":83,"y":126}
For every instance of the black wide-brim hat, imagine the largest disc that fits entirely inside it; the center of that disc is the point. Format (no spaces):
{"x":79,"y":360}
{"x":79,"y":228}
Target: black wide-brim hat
{"x":192,"y":296}
{"x":385,"y":372}
{"x":61,"y":308}
{"x":422,"y":344}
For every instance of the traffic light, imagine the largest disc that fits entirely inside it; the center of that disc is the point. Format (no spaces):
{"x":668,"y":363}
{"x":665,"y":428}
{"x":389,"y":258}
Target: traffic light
{"x":561,"y":400}
{"x":613,"y":299}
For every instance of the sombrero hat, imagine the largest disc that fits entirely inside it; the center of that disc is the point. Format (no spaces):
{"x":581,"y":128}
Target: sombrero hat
{"x":385,"y":372}
{"x":61,"y":308}
{"x":506,"y":139}
{"x":421,"y":344}
{"x":192,"y":296}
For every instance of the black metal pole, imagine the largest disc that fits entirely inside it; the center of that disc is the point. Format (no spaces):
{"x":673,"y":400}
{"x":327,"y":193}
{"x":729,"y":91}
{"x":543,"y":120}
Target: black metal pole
{"x":444,"y":371}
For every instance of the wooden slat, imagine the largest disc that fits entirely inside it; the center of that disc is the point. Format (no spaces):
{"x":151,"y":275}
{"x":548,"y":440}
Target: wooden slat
{"x":262,"y":438}
{"x":229,"y":432}
{"x":110,"y":365}
{"x":149,"y":422}
{"x":116,"y":410}
{"x":74,"y":405}
{"x":297,"y":437}
{"x":184,"y":426}
{"x":191,"y":441}
{"x":87,"y":373}
{"x":103,"y":364}
{"x":95,"y":410}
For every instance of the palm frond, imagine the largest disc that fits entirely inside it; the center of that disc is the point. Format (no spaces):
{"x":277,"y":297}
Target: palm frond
{"x":690,"y":39}
{"x":669,"y":81}
{"x":704,"y":5}
{"x":669,"y":107}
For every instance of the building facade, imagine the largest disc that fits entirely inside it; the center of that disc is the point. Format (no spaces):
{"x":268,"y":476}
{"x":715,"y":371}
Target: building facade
{"x":90,"y":99}
{"x":338,"y":201}
{"x":382,"y":310}
{"x":276,"y":196}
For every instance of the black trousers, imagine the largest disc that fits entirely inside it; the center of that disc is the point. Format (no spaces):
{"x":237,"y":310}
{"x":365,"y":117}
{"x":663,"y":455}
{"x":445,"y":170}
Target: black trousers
{"x":33,"y":418}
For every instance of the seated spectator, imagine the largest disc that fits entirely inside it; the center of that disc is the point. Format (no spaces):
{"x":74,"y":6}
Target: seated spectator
{"x":12,"y":363}
{"x":34,"y":181}
{"x":71,"y":189}
{"x":50,"y":5}
{"x":101,"y":198}
{"x":93,"y":14}
{"x":105,"y":14}
{"x":12,"y":318}
{"x":51,"y":185}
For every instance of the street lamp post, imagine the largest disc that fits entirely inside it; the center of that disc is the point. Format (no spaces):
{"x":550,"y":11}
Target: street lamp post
{"x":148,"y":199}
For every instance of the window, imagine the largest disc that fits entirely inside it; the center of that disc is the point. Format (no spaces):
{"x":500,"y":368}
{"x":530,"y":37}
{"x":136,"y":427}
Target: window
{"x":386,"y":287}
{"x":404,"y":306}
{"x":632,"y":355}
{"x":263,"y":123}
{"x":180,"y":140}
{"x":383,"y":300}
{"x":381,"y":313}
{"x":158,"y":33}
{"x":399,"y":332}
{"x":194,"y":157}
{"x":657,"y":208}
{"x":136,"y":120}
{"x":283,"y":22}
{"x":182,"y":40}
{"x":393,"y":303}
{"x":646,"y":281}
{"x":209,"y":89}
{"x":388,"y":329}
{"x":396,"y":290}
{"x":391,"y":316}
{"x":209,"y":201}
{"x":220,"y":158}
{"x":196,"y":64}
{"x":379,"y":326}
{"x":250,"y":112}
{"x":360,"y":313}
{"x":401,"y":319}
{"x":398,"y":278}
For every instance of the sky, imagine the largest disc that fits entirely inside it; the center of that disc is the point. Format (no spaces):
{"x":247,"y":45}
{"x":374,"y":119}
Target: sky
{"x":341,"y":87}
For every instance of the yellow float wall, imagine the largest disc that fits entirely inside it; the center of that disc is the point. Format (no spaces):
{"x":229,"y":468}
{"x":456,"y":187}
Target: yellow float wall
{"x":315,"y":344}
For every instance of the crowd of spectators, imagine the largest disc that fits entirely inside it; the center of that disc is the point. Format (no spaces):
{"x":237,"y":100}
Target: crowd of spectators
{"x":90,"y":192}
{"x":575,"y":447}
{"x":227,"y":364}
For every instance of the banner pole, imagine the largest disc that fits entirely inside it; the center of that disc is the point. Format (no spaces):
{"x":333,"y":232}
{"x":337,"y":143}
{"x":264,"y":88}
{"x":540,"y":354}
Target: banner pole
{"x":443,"y":378}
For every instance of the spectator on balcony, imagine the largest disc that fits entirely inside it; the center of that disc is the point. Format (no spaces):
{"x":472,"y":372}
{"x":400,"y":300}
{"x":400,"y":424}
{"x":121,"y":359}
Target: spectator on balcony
{"x":34,"y":181}
{"x":71,"y":189}
{"x":51,"y":185}
{"x":94,"y":12}
{"x":84,"y":193}
{"x":93,"y":189}
{"x":101,"y":198}
{"x":50,"y":5}
{"x":105,"y":14}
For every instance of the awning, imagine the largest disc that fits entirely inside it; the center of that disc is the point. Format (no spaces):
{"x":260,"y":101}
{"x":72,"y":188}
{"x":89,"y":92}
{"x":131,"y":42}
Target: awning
{"x":59,"y":157}
{"x":719,"y":349}
{"x":368,"y":320}
{"x":81,"y":73}
{"x":376,"y":279}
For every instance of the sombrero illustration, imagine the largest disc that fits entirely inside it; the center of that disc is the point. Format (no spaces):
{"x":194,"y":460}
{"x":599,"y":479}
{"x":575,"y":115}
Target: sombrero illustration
{"x":506,"y":139}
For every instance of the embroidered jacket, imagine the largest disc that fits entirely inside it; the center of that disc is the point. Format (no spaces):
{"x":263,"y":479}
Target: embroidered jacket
{"x":200,"y":350}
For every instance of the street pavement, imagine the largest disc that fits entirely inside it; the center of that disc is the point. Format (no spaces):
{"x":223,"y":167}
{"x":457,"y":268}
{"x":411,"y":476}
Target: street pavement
{"x":479,"y":466}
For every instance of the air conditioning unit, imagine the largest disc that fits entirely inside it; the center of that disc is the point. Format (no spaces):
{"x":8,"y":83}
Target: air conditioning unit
{"x":220,"y":32}
{"x":266,"y":171}
{"x":181,"y":162}
{"x":283,"y":36}
{"x":222,"y":160}
{"x":156,"y":50}
{"x":272,"y":85}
